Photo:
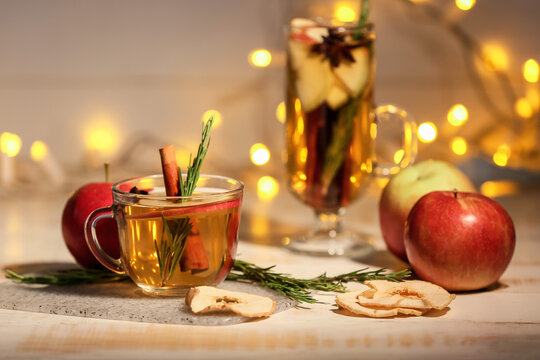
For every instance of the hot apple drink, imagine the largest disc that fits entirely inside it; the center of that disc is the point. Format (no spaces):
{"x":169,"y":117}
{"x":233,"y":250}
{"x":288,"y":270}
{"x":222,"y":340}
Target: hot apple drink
{"x":149,"y":231}
{"x":329,"y":113}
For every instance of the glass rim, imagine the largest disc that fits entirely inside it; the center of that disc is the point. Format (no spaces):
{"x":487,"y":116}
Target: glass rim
{"x":207,"y":196}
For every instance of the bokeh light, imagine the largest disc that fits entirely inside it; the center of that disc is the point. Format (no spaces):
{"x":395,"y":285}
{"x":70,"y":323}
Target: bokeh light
{"x":495,"y":57}
{"x":267,"y":188}
{"x":38,"y":150}
{"x":345,"y":13}
{"x":459,"y":145}
{"x":218,"y":118}
{"x":281,"y":112}
{"x":259,"y":154}
{"x":101,"y":134}
{"x":502,"y":155}
{"x":427,"y":132}
{"x":498,"y":188}
{"x":398,"y":156}
{"x":260,"y":58}
{"x":465,"y":4}
{"x":457,"y":115}
{"x":10,"y":144}
{"x":523,"y":108}
{"x":531,"y":70}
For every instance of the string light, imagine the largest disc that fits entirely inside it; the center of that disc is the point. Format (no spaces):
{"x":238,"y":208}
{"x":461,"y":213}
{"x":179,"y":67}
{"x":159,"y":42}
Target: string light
{"x":259,"y":154}
{"x":345,"y":13}
{"x":218,"y":118}
{"x":280,"y":112}
{"x":38,"y":150}
{"x":502,"y":155}
{"x":495,"y":57}
{"x":523,"y":108}
{"x":101,"y":134}
{"x":531,"y":70}
{"x":427,"y":132}
{"x":10,"y":144}
{"x":457,"y":115}
{"x":465,"y":4}
{"x":267,"y":188}
{"x":260,"y":58}
{"x":459,"y":145}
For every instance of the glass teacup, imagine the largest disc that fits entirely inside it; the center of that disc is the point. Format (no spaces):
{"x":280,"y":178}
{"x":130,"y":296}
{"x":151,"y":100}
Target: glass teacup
{"x":171,"y":243}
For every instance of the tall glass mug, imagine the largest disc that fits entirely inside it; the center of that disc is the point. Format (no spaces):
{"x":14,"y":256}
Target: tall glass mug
{"x":331,"y":129}
{"x":171,"y":243}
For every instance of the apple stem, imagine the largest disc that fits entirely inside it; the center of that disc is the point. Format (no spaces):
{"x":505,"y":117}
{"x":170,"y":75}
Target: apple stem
{"x":455,"y":193}
{"x":106,"y":165}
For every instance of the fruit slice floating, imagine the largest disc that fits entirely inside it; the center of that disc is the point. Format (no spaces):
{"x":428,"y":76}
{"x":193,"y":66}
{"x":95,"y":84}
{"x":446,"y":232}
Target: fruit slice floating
{"x":354,"y":75}
{"x":313,"y":82}
{"x":185,"y":210}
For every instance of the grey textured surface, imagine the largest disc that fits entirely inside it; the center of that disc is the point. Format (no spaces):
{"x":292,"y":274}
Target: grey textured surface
{"x":121,"y":301}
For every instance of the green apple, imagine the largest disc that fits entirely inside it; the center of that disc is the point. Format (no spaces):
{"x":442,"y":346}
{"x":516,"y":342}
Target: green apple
{"x":406,"y":188}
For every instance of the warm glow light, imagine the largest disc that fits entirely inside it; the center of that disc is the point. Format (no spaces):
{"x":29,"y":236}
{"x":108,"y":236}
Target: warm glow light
{"x":267,"y":188}
{"x":498,"y":188}
{"x":459,"y":145}
{"x":530,"y":71}
{"x":345,"y":13}
{"x":101,"y":134}
{"x":297,"y":106}
{"x":217,"y":117}
{"x":260,"y":58}
{"x":533,"y":98}
{"x":302,"y":155}
{"x":523,"y":108}
{"x":398,"y":155}
{"x":457,"y":115}
{"x":495,"y":57}
{"x":465,"y":4}
{"x":501,"y":155}
{"x":38,"y":150}
{"x":259,"y":154}
{"x":427,"y":132}
{"x":280,"y":112}
{"x":373,"y":130}
{"x":10,"y":144}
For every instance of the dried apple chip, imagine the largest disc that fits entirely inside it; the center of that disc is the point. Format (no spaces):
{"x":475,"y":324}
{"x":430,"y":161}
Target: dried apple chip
{"x":349,"y":301}
{"x":205,"y":299}
{"x":433,"y":295}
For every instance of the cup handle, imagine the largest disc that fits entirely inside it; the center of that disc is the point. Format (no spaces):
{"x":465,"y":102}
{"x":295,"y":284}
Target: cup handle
{"x":386,"y":113}
{"x":91,"y":239}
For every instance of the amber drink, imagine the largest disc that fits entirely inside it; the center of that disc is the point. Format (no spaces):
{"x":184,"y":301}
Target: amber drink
{"x":171,"y":243}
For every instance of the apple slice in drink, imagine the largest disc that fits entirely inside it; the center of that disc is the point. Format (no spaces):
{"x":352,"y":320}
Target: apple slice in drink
{"x":354,"y":75}
{"x":337,"y":96}
{"x":314,"y":79}
{"x":308,"y":30}
{"x":298,"y":52}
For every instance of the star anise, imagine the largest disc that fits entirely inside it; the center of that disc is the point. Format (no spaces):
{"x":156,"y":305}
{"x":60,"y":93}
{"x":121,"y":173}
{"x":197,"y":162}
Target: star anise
{"x":334,"y":48}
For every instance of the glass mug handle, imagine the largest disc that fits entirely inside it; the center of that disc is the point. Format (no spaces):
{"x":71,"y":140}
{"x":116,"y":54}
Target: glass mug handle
{"x":91,"y":239}
{"x":387,"y":113}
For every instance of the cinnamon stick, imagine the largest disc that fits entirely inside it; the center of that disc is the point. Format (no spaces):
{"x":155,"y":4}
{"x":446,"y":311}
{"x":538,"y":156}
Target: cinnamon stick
{"x":170,"y":170}
{"x":194,"y":257}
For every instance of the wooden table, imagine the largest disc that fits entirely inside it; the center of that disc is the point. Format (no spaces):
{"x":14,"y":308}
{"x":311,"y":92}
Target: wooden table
{"x":503,"y":322}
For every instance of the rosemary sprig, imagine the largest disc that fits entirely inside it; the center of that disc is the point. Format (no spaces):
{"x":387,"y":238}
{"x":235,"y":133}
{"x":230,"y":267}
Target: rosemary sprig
{"x":293,"y":288}
{"x":300,"y":289}
{"x":364,"y":13}
{"x":176,"y":231}
{"x":67,"y":277}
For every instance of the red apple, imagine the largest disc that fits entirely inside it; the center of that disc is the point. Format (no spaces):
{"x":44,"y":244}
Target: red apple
{"x":403,"y":191}
{"x":458,"y":240}
{"x":79,"y":205}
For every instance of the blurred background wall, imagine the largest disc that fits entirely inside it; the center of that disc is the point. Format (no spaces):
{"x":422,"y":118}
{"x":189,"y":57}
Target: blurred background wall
{"x":114,"y":80}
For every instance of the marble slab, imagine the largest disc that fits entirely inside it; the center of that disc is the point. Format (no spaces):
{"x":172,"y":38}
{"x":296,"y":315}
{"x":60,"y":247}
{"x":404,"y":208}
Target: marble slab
{"x":121,"y":301}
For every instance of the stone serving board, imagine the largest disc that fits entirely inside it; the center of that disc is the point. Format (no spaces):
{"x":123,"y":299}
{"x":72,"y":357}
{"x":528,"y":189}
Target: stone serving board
{"x":122,"y":301}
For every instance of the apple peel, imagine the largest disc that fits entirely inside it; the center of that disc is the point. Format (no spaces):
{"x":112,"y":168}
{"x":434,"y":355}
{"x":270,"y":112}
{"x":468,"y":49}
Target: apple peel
{"x":207,"y":299}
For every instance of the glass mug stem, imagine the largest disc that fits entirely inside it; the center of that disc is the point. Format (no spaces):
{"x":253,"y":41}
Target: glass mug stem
{"x":93,"y":243}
